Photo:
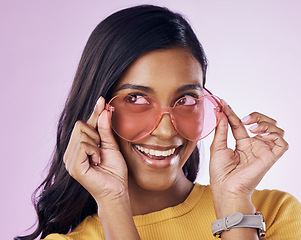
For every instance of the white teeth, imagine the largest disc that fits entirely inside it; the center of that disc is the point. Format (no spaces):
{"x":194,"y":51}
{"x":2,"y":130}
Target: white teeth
{"x":156,"y":153}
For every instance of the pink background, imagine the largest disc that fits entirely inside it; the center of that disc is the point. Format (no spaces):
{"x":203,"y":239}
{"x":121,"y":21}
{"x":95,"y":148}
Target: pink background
{"x":254,"y":64}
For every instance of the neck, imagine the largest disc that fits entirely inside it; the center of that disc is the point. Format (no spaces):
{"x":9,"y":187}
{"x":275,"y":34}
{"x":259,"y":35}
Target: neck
{"x":145,"y":201}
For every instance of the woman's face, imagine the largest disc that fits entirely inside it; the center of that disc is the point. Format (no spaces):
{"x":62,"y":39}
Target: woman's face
{"x":155,"y":162}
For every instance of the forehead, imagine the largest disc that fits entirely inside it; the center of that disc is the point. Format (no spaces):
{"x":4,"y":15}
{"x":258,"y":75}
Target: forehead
{"x":163,"y":70}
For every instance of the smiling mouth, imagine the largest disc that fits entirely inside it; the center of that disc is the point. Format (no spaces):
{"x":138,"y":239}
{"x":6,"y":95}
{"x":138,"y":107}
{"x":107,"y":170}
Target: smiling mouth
{"x":157,"y":154}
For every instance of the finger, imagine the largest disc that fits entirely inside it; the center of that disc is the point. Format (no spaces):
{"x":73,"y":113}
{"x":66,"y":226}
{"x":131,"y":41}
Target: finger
{"x":265,"y":127}
{"x":86,"y":155}
{"x":221,"y":135}
{"x":100,"y":104}
{"x":256,"y":117}
{"x":81,"y":143}
{"x":83,"y":128}
{"x":84,"y":137}
{"x":81,"y":132}
{"x":238,"y":129}
{"x":105,"y":131}
{"x":92,"y":151}
{"x":280,"y":145}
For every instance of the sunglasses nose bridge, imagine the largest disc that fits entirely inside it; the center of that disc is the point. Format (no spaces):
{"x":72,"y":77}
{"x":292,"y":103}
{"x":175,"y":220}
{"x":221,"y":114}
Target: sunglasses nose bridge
{"x":167,"y":110}
{"x":161,"y":127}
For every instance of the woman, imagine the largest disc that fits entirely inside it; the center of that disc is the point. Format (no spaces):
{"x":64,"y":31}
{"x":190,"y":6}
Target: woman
{"x":142,"y":74}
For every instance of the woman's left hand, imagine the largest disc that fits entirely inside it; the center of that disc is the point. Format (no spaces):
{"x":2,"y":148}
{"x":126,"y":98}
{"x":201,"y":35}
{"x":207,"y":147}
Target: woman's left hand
{"x":234,"y":174}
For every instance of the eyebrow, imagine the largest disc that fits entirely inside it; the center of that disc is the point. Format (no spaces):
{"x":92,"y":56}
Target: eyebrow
{"x":190,"y":87}
{"x":150,"y":90}
{"x":136,"y":87}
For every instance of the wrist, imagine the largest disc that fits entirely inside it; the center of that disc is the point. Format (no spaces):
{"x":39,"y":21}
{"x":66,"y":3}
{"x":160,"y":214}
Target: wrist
{"x":112,"y":204}
{"x":226,"y":205}
{"x":116,"y":218}
{"x":118,"y":194}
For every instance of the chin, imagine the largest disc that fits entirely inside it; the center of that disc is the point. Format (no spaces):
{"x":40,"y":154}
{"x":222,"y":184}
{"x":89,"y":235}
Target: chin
{"x":156,"y":181}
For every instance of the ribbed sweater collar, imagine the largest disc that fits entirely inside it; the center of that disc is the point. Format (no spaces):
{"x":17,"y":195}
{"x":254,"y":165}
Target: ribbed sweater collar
{"x":172,"y":212}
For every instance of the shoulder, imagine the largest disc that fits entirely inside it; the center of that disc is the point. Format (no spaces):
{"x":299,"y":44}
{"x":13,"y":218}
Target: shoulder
{"x":90,"y":229}
{"x":282,"y":213}
{"x":275,"y":200}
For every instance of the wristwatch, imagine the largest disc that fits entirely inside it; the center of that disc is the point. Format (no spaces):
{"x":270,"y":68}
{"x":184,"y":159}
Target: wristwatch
{"x":239,"y":220}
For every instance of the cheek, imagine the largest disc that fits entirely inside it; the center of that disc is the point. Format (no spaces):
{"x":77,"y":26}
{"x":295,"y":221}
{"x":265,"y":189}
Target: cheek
{"x":128,"y":153}
{"x":124,"y":146}
{"x":188,"y":151}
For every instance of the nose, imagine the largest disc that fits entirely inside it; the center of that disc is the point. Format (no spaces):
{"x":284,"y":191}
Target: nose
{"x":165,"y":129}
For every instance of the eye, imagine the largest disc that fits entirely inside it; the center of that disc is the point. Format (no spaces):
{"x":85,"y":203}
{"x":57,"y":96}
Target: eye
{"x":186,"y":100}
{"x":136,"y":98}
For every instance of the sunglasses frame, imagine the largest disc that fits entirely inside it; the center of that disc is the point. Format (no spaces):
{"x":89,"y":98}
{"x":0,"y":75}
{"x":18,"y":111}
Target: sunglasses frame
{"x":166,"y":110}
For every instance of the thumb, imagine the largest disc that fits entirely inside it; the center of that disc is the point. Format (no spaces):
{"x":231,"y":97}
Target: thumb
{"x":221,"y":135}
{"x":107,"y":140}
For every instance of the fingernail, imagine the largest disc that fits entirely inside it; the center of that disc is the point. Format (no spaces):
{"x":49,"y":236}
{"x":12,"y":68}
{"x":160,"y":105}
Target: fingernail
{"x":225,"y":103}
{"x":99,"y":100}
{"x":253,"y":127}
{"x":246,"y":118}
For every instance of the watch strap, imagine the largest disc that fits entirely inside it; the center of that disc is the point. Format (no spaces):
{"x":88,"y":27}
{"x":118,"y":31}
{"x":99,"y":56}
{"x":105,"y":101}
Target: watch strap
{"x":238,"y":220}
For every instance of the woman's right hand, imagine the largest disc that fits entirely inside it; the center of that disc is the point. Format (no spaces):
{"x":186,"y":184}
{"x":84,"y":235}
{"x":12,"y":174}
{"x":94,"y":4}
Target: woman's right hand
{"x":102,"y":171}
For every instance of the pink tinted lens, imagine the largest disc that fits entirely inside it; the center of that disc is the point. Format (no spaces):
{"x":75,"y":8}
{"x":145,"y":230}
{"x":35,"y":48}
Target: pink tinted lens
{"x":197,"y":121}
{"x":133,"y":120}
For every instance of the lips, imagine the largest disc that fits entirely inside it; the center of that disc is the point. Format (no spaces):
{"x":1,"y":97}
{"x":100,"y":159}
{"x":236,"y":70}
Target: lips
{"x":158,"y":157}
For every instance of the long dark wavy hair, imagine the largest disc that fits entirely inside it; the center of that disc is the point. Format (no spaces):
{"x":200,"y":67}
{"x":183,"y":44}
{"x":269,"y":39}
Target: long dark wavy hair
{"x":61,"y":202}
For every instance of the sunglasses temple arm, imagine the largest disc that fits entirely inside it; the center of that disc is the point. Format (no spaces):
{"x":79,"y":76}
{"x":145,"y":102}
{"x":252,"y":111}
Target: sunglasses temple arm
{"x":109,"y":108}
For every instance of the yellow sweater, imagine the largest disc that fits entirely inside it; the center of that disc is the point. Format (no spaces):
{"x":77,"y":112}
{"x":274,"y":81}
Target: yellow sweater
{"x":192,"y":219}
